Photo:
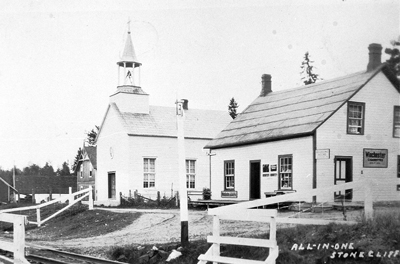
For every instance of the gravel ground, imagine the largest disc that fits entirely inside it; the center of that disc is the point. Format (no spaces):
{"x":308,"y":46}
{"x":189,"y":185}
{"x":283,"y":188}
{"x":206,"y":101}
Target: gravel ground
{"x":163,"y":226}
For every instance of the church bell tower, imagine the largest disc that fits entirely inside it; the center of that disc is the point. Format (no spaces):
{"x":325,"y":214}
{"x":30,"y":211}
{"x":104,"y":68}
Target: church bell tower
{"x":129,"y":96}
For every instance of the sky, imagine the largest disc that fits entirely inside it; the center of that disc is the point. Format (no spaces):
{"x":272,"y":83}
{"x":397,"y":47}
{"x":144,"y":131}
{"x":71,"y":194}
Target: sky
{"x":58,"y":58}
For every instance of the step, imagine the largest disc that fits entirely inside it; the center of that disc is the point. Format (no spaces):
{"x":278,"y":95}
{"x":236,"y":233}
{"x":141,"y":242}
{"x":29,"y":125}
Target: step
{"x":228,"y":260}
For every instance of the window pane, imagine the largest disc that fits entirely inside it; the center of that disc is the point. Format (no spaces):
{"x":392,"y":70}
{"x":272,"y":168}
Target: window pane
{"x":285,"y":172}
{"x":355,"y":118}
{"x":152,"y":165}
{"x":396,"y":122}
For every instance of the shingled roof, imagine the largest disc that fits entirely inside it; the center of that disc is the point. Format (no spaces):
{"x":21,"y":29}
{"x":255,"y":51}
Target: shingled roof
{"x":161,"y":122}
{"x":292,"y":112}
{"x":92,"y":154}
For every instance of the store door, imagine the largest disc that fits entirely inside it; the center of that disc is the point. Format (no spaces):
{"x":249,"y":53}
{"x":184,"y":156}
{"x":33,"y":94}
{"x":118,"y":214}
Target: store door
{"x":111,"y":185}
{"x":255,"y":175}
{"x":343,"y":174}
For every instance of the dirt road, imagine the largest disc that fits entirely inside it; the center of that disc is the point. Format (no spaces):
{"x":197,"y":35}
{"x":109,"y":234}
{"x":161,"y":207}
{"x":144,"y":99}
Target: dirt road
{"x":162,"y":226}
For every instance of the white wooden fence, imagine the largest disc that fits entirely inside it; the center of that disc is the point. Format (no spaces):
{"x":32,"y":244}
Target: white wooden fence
{"x":213,"y":253}
{"x":243,"y":212}
{"x":17,"y":246}
{"x":81,"y":195}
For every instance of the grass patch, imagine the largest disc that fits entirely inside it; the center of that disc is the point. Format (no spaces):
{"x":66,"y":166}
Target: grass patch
{"x":75,"y":222}
{"x":78,"y":222}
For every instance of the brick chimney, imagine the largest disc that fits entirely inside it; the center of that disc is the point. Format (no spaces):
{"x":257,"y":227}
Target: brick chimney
{"x":185,"y":104}
{"x":375,"y":53}
{"x":265,"y":85}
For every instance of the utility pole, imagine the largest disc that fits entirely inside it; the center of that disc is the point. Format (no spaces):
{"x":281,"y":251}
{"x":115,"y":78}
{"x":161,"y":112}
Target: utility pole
{"x":14,"y":196}
{"x":183,"y":205}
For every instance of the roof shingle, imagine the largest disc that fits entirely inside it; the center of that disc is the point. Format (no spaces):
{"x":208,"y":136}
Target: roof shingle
{"x":290,"y":113}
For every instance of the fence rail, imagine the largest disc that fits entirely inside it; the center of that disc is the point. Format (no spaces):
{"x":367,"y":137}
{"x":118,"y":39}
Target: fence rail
{"x":81,"y":195}
{"x":213,"y":253}
{"x":245,"y":212}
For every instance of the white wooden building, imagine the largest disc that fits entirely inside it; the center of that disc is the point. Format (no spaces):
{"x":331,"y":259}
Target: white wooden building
{"x":318,"y":135}
{"x":137,"y":142}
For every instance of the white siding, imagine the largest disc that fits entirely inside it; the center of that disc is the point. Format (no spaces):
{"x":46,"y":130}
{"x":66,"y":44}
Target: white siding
{"x":379,"y":97}
{"x":164,"y":150}
{"x":127,"y":162}
{"x":267,"y":153}
{"x":112,"y":135}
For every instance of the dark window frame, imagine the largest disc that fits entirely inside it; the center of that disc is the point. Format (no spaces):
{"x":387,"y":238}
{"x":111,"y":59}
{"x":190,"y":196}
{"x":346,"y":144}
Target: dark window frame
{"x":280,"y":172}
{"x":348,"y":118}
{"x":398,"y":166}
{"x":229,"y":175}
{"x":395,"y":108}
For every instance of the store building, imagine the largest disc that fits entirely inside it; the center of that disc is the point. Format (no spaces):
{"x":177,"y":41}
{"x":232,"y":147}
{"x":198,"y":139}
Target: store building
{"x":318,"y":135}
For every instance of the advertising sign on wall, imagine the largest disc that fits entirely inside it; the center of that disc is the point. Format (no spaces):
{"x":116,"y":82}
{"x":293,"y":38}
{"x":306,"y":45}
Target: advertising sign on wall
{"x":375,"y":158}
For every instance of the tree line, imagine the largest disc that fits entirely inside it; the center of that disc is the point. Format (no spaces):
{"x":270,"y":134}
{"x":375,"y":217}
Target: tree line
{"x":36,"y":170}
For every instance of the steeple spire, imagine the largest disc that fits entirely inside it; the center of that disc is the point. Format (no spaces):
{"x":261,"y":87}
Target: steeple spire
{"x":128,"y":62}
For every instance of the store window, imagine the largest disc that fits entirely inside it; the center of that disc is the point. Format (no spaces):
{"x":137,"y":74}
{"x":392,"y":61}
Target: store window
{"x":229,"y":174}
{"x":398,"y":166}
{"x":396,"y":122}
{"x":149,"y":169}
{"x":285,"y":172}
{"x":355,"y":118}
{"x":190,"y":174}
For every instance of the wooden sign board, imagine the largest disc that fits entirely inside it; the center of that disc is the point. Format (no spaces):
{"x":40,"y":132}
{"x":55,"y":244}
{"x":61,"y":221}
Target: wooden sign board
{"x":375,"y":158}
{"x":322,"y":154}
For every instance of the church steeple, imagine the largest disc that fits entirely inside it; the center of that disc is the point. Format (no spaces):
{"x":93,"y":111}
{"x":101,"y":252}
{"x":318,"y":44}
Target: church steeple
{"x":129,"y":96}
{"x":129,"y":66}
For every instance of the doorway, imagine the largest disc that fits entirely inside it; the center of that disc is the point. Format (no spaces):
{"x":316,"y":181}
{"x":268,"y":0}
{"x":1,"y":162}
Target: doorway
{"x":111,"y":185}
{"x":255,"y":176}
{"x":343,"y":174}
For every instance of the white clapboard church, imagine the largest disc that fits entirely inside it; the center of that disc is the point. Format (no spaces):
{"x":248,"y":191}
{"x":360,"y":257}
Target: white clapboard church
{"x":137,"y":142}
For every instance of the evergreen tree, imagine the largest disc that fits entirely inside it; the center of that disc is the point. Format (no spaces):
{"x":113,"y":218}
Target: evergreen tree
{"x":91,"y":136}
{"x":394,"y":60}
{"x":232,"y":108}
{"x":33,"y":170}
{"x":77,"y":158}
{"x":65,"y":169}
{"x":47,"y":170}
{"x":307,"y":70}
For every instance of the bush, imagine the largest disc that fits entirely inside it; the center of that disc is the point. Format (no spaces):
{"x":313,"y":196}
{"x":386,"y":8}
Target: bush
{"x":206,"y":194}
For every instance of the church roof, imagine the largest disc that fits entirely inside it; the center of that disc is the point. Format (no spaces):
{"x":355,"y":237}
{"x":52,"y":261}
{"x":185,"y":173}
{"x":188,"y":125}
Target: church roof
{"x":161,"y":122}
{"x":292,"y":112}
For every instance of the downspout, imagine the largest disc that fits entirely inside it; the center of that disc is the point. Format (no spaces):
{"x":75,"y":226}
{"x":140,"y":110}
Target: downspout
{"x":314,"y":146}
{"x":209,"y":163}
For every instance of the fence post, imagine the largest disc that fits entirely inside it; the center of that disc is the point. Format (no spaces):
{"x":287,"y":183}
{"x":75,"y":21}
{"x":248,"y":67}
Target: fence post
{"x":216,"y":251}
{"x":177,"y":198}
{"x":90,"y":198}
{"x":33,"y":196}
{"x":368,"y":205}
{"x":70,"y":197}
{"x":38,"y":220}
{"x":19,"y":239}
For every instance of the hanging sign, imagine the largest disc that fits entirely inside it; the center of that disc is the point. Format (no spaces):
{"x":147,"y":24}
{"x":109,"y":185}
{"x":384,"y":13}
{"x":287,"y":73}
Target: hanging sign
{"x":375,"y":158}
